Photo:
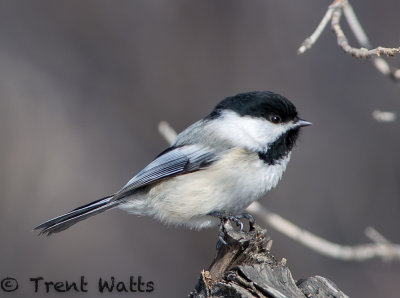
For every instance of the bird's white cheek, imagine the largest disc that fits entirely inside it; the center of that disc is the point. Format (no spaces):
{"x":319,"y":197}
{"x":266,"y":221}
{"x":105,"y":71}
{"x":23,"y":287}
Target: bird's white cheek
{"x":249,"y":132}
{"x":264,"y":132}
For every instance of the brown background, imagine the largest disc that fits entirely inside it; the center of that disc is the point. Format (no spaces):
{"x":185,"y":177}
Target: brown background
{"x":83,"y":85}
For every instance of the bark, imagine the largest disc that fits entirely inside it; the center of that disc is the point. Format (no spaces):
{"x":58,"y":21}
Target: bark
{"x":245,"y":267}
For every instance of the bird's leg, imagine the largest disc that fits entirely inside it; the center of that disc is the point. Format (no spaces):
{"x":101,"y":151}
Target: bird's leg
{"x":221,"y":235}
{"x":223,"y":217}
{"x":237,"y":219}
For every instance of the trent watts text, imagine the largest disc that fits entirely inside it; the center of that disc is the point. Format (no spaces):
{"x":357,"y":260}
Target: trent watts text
{"x":133,"y":284}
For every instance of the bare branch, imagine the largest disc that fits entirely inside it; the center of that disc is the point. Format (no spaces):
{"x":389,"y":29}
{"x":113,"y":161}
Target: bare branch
{"x":334,"y":13}
{"x":355,"y":26}
{"x":381,"y":116}
{"x":167,"y":132}
{"x":383,"y":249}
{"x":375,"y":236}
{"x":308,"y":42}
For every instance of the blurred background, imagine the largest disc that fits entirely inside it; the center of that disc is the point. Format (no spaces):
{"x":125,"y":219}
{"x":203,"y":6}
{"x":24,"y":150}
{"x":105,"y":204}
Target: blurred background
{"x":84,"y":84}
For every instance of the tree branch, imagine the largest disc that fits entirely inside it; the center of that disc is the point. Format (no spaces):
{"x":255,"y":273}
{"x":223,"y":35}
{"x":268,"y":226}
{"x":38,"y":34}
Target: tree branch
{"x":333,"y":14}
{"x":382,"y":249}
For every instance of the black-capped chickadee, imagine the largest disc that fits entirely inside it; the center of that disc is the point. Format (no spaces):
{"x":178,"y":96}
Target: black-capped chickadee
{"x":217,"y":166}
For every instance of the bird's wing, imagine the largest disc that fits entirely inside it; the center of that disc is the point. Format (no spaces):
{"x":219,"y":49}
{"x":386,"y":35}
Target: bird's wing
{"x":173,"y":161}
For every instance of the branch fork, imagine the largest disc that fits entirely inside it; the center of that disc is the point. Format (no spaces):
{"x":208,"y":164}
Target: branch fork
{"x":333,"y":15}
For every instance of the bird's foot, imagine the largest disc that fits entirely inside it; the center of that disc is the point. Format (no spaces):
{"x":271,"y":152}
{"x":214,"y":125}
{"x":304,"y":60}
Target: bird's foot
{"x":237,"y":219}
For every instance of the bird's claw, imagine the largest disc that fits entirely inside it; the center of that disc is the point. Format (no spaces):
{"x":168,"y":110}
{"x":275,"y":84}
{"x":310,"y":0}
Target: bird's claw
{"x":221,"y":235}
{"x":247,"y":216}
{"x":237,"y":219}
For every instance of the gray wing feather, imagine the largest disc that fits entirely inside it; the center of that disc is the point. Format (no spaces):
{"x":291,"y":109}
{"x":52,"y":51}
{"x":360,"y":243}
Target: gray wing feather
{"x":176,"y":161}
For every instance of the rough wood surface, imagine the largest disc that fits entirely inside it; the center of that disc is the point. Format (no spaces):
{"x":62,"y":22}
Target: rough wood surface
{"x":245,"y":267}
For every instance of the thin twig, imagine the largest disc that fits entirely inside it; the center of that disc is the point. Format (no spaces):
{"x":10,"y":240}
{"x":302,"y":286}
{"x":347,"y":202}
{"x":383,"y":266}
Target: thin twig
{"x":385,"y":250}
{"x":334,"y":13}
{"x":309,"y":41}
{"x":167,"y":132}
{"x":375,"y":236}
{"x":382,"y":116}
{"x":355,"y":26}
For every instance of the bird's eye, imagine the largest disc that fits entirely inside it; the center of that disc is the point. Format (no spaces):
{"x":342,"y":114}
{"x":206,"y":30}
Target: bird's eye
{"x":275,"y":119}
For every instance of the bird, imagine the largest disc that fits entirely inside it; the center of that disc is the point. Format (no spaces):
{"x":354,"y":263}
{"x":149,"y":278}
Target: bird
{"x":216,"y":167}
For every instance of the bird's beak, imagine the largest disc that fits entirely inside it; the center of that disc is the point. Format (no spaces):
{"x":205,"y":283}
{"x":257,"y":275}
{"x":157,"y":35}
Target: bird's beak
{"x":301,"y":123}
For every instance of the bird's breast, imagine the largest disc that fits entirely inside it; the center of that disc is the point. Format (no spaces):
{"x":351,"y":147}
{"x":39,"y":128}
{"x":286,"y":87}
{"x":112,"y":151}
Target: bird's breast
{"x":230,"y":184}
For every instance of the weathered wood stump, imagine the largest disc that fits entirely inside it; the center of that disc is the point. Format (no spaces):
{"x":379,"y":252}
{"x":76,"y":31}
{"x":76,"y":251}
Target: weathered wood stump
{"x":245,"y":267}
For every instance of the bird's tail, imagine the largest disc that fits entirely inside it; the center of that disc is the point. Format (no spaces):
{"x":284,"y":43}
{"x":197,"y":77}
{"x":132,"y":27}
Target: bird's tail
{"x":63,"y":222}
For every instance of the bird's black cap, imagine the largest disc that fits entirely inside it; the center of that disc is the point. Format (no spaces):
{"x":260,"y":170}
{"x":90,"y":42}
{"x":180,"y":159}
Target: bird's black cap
{"x":261,"y":104}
